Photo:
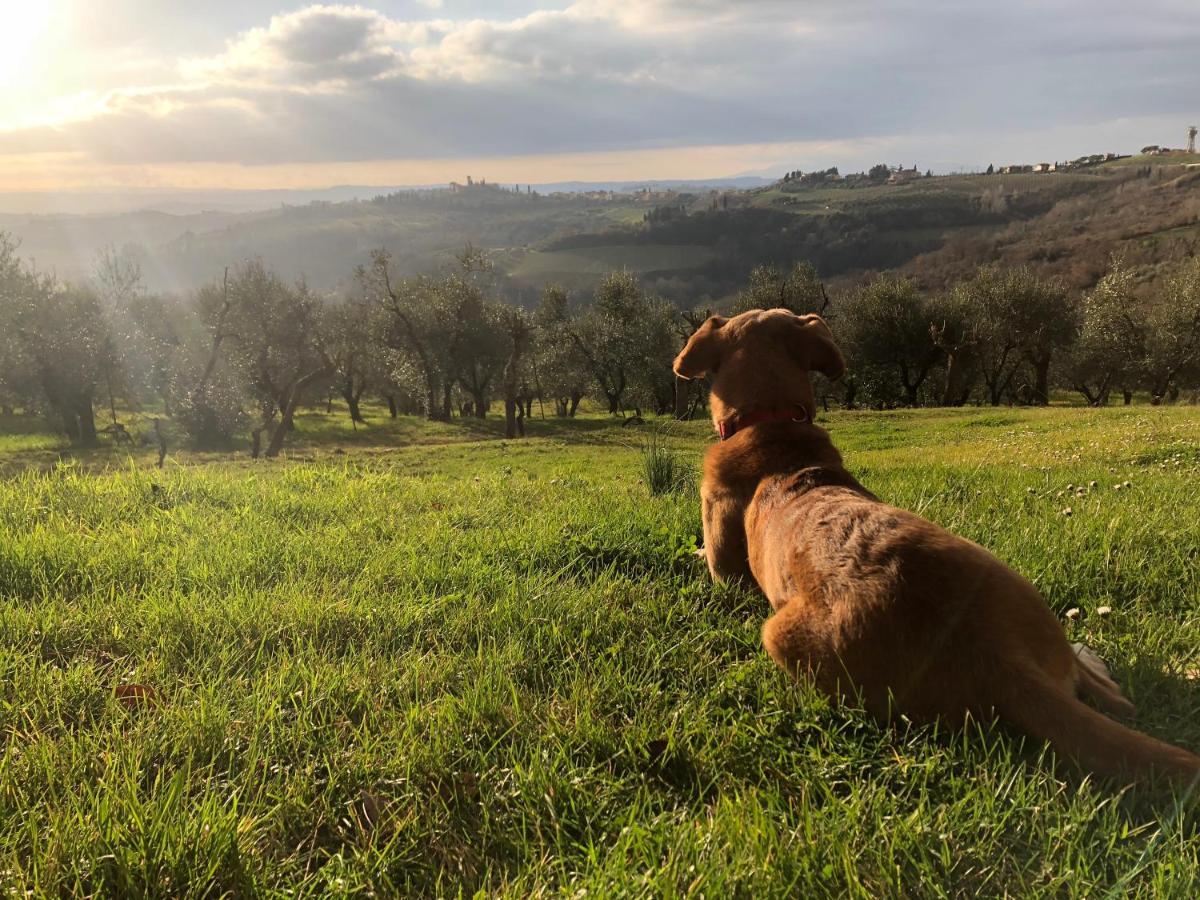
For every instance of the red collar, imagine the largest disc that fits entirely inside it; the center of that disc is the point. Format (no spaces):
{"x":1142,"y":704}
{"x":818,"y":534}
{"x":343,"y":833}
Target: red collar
{"x":730,"y":427}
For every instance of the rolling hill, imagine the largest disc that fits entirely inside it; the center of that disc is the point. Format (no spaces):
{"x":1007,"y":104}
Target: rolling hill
{"x":691,"y":243}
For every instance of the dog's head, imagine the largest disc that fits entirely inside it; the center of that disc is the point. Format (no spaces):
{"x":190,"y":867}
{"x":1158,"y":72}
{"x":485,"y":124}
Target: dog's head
{"x":760,"y":358}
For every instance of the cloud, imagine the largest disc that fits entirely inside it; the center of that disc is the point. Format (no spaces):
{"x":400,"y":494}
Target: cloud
{"x":320,"y":46}
{"x":333,"y":82}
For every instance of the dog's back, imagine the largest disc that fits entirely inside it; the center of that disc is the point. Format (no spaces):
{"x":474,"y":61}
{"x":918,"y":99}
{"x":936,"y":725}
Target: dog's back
{"x":875,"y":602}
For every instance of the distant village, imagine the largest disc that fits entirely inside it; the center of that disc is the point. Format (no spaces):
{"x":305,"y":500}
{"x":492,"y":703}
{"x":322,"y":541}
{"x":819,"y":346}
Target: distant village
{"x":645,"y":194}
{"x":1097,"y":158}
{"x":1081,"y":163}
{"x":883,"y":174}
{"x":878,"y":174}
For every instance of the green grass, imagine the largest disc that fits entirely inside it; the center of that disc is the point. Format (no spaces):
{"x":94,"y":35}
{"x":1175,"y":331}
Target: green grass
{"x":440,"y":662}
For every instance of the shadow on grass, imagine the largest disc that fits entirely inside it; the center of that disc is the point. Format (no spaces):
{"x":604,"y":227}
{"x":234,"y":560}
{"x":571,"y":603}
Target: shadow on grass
{"x":27,"y":443}
{"x":1167,"y":701}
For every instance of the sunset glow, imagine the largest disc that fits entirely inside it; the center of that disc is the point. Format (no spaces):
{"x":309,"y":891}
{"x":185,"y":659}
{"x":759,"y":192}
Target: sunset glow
{"x":22,"y":27}
{"x":260,"y":94}
{"x":24,"y":24}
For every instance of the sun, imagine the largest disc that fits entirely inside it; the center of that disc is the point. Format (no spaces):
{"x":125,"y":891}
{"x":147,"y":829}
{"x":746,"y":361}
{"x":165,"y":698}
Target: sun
{"x":24,"y":22}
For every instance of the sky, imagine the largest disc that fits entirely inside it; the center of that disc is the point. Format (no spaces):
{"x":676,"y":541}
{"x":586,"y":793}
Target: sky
{"x":252,"y":94}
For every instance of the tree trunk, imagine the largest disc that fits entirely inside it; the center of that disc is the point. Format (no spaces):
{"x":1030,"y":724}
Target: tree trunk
{"x":447,"y":406}
{"x":391,"y":402}
{"x":480,"y":405}
{"x":280,"y":431}
{"x":575,"y":398}
{"x":162,"y":442}
{"x":994,"y":388}
{"x":352,"y":404}
{"x":6,"y":410}
{"x":614,"y":403}
{"x":291,"y":400}
{"x":953,"y":379}
{"x":70,"y":423}
{"x":1127,"y":396}
{"x":87,"y":421}
{"x":1041,"y":383}
{"x":681,"y":398}
{"x":510,"y":417}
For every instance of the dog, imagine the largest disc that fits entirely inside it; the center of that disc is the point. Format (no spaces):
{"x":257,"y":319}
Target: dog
{"x":874,"y":603}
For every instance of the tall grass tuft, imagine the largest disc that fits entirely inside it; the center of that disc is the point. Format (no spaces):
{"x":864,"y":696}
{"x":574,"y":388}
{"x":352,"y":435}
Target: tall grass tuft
{"x":664,"y":470}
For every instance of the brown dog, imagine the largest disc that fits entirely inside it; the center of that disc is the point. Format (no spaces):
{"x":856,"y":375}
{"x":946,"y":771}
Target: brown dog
{"x":876,"y":603}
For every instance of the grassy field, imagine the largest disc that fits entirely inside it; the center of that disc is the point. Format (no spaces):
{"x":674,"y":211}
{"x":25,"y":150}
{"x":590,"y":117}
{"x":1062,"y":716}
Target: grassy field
{"x":423,"y":660}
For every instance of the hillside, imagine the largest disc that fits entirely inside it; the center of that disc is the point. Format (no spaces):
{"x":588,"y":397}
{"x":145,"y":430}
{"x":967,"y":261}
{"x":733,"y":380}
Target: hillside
{"x":935,"y":229}
{"x":690,"y":245}
{"x":322,"y":241}
{"x":1149,"y":215}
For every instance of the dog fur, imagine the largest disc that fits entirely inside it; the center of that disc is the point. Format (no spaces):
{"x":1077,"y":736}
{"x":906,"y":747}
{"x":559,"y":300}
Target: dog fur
{"x":874,"y":603}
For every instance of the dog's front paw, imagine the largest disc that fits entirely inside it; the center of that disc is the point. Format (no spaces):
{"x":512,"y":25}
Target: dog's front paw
{"x":701,"y":554}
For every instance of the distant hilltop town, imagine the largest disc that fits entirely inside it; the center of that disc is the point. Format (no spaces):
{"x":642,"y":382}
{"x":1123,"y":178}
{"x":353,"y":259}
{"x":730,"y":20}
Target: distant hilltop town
{"x":1081,"y":163}
{"x":637,"y":194}
{"x":885,"y":174}
{"x":798,"y":180}
{"x":1098,"y":158}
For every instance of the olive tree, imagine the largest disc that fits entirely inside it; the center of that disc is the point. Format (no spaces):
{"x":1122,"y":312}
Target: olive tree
{"x":560,"y":368}
{"x":885,"y":327}
{"x":1016,"y":318}
{"x":627,"y":342}
{"x":1172,"y":331}
{"x":1110,"y":346}
{"x":56,"y":343}
{"x":799,"y":290}
{"x":279,"y":346}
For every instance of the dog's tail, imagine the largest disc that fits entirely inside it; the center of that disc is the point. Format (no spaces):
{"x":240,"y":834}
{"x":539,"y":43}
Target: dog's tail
{"x":1042,"y":709}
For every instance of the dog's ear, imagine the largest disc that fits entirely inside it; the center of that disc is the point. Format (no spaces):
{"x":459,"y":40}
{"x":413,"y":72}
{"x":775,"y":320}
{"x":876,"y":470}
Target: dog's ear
{"x":814,"y":347}
{"x":701,"y":354}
